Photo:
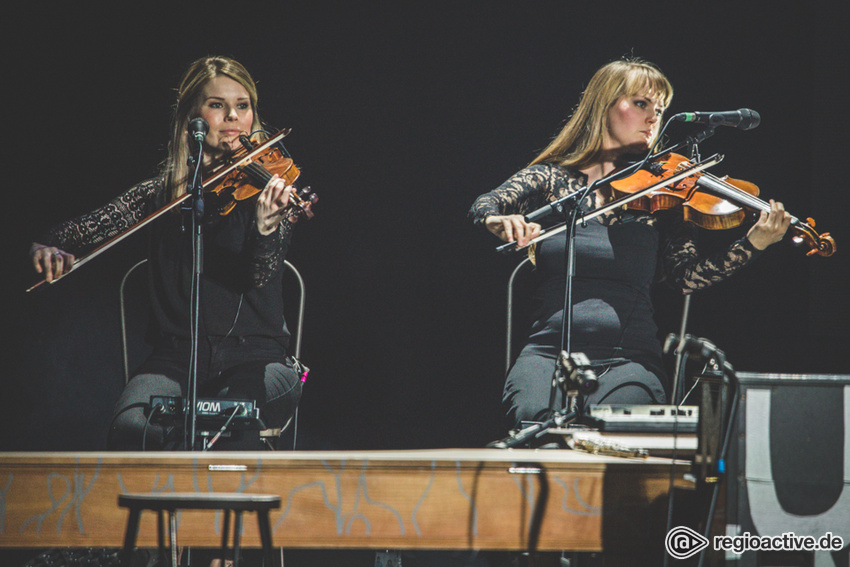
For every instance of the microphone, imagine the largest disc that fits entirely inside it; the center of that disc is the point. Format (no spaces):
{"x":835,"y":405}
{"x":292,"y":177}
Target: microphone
{"x":198,"y":129}
{"x":700,"y":348}
{"x":579,"y":372}
{"x":743,"y":118}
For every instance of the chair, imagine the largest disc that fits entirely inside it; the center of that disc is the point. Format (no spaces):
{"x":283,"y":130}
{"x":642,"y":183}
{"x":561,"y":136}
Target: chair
{"x":227,"y":502}
{"x":509,"y":319}
{"x":299,"y":324}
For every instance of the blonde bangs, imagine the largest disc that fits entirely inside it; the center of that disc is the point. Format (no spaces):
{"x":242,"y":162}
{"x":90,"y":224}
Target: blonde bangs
{"x":645,"y":79}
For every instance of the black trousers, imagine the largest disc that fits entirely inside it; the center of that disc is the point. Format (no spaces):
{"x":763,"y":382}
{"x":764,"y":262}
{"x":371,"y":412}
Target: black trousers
{"x":254,"y":368}
{"x":632,"y":378}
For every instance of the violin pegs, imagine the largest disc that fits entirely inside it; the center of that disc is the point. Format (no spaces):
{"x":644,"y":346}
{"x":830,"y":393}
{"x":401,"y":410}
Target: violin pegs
{"x":307,"y":195}
{"x":811,"y":222}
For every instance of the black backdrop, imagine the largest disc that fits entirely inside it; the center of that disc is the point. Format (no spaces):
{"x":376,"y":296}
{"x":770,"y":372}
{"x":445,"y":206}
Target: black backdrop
{"x":401,"y":114}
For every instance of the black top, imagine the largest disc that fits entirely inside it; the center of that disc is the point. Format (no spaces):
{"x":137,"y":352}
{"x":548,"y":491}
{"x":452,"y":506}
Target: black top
{"x":617,"y":261}
{"x":241,"y":284}
{"x":612,"y":307}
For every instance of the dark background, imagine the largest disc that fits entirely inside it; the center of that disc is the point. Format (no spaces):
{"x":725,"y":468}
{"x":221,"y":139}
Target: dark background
{"x":401,"y":114}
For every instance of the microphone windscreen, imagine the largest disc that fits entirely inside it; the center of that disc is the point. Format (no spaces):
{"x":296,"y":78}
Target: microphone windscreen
{"x":198,"y":128}
{"x":749,"y":119}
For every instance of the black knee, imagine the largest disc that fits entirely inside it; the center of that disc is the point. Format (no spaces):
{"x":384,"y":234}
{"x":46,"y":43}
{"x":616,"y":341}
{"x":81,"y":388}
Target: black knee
{"x":132,"y":430}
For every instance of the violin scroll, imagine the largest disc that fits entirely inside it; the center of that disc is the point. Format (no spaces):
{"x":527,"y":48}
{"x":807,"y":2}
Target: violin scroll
{"x":301,"y":203}
{"x":820,"y":244}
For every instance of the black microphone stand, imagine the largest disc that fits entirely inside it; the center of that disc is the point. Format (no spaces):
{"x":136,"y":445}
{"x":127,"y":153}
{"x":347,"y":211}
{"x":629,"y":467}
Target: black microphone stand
{"x":677,"y":393}
{"x":570,"y":217}
{"x":557,"y":418}
{"x":570,"y":206}
{"x":196,"y":209}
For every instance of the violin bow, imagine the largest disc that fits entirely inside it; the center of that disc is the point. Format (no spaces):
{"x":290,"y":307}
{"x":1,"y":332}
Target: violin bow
{"x":561,"y":227}
{"x":237,"y":164}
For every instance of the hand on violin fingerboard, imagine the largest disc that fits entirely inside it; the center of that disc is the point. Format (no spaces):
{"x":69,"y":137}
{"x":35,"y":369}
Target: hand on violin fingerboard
{"x":272,"y":203}
{"x":770,"y":227}
{"x":512,"y":228}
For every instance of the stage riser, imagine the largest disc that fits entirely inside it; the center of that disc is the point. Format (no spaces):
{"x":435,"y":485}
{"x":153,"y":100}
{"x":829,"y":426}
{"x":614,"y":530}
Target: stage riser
{"x":419,"y":500}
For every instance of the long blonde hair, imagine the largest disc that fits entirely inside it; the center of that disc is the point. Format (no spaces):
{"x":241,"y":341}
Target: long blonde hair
{"x":579,"y":143}
{"x":196,"y":77}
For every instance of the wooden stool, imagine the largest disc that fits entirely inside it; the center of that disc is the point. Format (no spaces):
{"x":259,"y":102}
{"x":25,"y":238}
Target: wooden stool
{"x":224,"y":501}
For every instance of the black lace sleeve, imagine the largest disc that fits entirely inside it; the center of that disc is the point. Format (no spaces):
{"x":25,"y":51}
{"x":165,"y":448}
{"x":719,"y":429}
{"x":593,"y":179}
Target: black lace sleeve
{"x":524,"y":192}
{"x":686,"y":270}
{"x":87,"y":231}
{"x":268,"y":253}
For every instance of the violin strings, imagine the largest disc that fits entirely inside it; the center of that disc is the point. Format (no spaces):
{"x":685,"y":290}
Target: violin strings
{"x":726,"y":189}
{"x":258,"y":172}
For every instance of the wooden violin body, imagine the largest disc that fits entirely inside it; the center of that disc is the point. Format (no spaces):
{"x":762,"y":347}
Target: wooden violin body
{"x":710,"y":202}
{"x":699,"y":207}
{"x":247,"y":171}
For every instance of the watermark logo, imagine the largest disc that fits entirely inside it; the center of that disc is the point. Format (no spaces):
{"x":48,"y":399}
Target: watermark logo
{"x":787,"y":541}
{"x":683,"y":542}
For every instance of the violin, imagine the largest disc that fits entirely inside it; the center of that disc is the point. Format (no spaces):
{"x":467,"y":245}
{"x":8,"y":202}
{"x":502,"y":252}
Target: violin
{"x":247,"y":171}
{"x":708,"y":201}
{"x":240,"y":176}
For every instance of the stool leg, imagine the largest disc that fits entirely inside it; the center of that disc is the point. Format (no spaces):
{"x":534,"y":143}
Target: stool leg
{"x":265,"y":536}
{"x":172,"y":520}
{"x":130,"y":536}
{"x":224,"y":531}
{"x":160,"y":535}
{"x":237,"y":531}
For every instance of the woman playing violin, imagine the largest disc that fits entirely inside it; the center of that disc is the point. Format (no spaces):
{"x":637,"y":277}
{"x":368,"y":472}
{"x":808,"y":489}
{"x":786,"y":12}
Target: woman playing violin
{"x":617,"y":253}
{"x":242,"y":338}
